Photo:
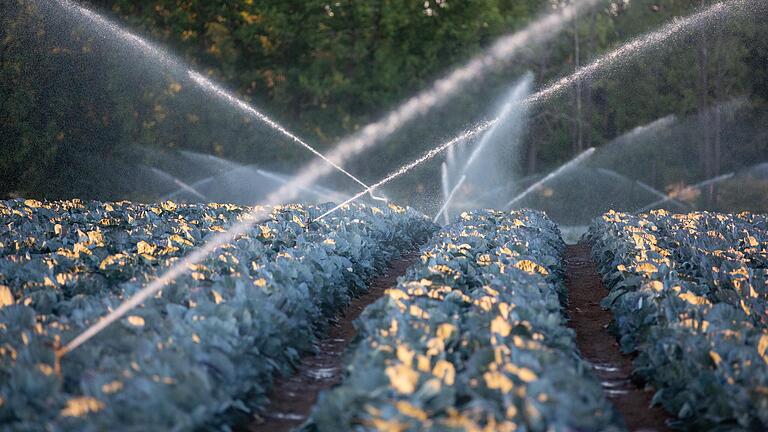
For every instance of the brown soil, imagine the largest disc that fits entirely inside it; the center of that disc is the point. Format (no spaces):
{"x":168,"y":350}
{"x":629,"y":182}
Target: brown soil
{"x":590,"y":321}
{"x":292,"y":398}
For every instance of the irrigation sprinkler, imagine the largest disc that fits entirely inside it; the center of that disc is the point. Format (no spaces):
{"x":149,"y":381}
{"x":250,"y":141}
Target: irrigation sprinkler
{"x":375,"y":132}
{"x":498,"y":54}
{"x":468,"y":134}
{"x":204,"y":83}
{"x":183,"y":186}
{"x":563,"y":168}
{"x":700,"y":185}
{"x":232,"y":100}
{"x":333,"y":196}
{"x":642,"y":185}
{"x":250,"y":219}
{"x":204,"y":182}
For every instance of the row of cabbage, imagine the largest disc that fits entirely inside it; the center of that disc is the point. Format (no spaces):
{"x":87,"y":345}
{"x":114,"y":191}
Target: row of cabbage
{"x":472,"y":338}
{"x":208,"y":345}
{"x":690,"y":294}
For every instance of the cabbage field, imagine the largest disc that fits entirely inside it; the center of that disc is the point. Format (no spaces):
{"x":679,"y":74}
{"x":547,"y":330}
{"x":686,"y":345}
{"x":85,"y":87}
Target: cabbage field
{"x":476,"y":334}
{"x":472,"y":338}
{"x":690,"y":296}
{"x":207,"y":344}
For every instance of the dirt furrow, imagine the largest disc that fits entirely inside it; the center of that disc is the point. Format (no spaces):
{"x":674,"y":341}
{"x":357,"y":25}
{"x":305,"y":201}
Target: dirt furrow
{"x":292,"y":398}
{"x":590,"y":321}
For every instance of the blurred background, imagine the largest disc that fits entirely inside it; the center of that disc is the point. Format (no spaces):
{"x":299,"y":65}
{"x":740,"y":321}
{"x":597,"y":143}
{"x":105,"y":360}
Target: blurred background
{"x":83,"y":114}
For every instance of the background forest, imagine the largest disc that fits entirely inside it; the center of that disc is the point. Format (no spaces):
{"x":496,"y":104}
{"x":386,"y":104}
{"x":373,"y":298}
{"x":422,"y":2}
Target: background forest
{"x":79,"y":111}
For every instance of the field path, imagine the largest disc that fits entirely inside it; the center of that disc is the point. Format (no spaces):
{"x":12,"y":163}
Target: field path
{"x":292,"y":398}
{"x":590,"y":321}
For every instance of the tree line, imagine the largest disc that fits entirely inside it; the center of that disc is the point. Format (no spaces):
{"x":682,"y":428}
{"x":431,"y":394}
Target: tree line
{"x":77,"y":103}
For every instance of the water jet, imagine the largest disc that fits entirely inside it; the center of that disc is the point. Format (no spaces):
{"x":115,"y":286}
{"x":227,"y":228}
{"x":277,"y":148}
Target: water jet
{"x":563,"y":168}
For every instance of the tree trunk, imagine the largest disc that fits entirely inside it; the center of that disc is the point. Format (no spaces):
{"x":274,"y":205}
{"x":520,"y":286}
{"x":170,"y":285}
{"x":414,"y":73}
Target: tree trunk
{"x":532,"y":153}
{"x":587,"y":85}
{"x":718,"y":116}
{"x":578,"y":138}
{"x":702,"y":98}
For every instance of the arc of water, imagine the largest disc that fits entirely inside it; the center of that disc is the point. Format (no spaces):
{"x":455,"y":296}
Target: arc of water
{"x":640,"y":45}
{"x":499,"y":189}
{"x":642,"y":185}
{"x":328,"y":194}
{"x":310,"y":174}
{"x":473,"y":132}
{"x":651,"y":189}
{"x":444,"y":208}
{"x":224,"y":165}
{"x":333,"y":196}
{"x":700,"y":185}
{"x":246,"y":222}
{"x":216,"y":90}
{"x":513,"y":100}
{"x":177,"y":182}
{"x":656,"y":125}
{"x":563,"y":168}
{"x":500,"y":52}
{"x":204,"y":182}
{"x":487,"y":138}
{"x":450,"y":158}
{"x":132,"y":39}
{"x":446,"y":188}
{"x":448,"y":195}
{"x":200,"y":80}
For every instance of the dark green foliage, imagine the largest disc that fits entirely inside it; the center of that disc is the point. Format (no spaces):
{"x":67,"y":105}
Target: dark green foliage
{"x":690,"y":295}
{"x":74,"y":101}
{"x":472,"y":337}
{"x":208,"y":344}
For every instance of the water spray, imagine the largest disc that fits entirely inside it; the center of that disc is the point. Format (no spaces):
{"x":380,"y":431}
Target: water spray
{"x":445,"y":183}
{"x":500,"y":189}
{"x":250,"y":219}
{"x":450,"y":158}
{"x":225,"y":165}
{"x":131,"y":39}
{"x":375,"y":132}
{"x":497,"y":55}
{"x":330,"y":195}
{"x":405,"y":168}
{"x":482,"y":165}
{"x":169,"y":62}
{"x":570,"y":164}
{"x":656,"y":125}
{"x":713,"y":180}
{"x":203,"y":182}
{"x":231,"y":99}
{"x":642,"y":185}
{"x":640,"y":45}
{"x":487,"y":138}
{"x":177,"y":182}
{"x":444,"y":208}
